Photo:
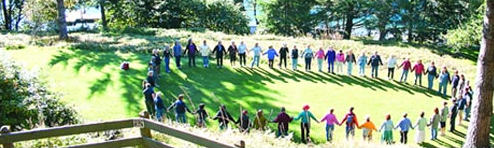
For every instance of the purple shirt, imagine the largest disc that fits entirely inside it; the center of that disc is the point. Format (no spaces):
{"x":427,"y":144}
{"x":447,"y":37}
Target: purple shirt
{"x":283,"y":120}
{"x":192,"y":49}
{"x":330,"y":119}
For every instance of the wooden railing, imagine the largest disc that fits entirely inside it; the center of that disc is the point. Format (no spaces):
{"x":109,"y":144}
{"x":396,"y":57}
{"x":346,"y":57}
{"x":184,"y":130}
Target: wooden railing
{"x":7,"y":138}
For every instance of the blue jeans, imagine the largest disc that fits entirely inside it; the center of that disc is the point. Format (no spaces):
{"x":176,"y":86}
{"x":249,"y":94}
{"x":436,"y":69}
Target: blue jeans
{"x":443,"y":87}
{"x":255,"y":60}
{"x":374,"y":71}
{"x":307,"y":63}
{"x":205,"y":60}
{"x":329,"y":132}
{"x":467,"y":113}
{"x":361,"y":69}
{"x":180,"y":117}
{"x":350,"y":67}
{"x":418,"y":77}
{"x":350,"y":130}
{"x":159,"y":114}
{"x":294,"y":63}
{"x":167,"y":64}
{"x":404,"y":75}
{"x":331,"y":66}
{"x":430,"y":79}
{"x":177,"y":61}
{"x":433,"y":133}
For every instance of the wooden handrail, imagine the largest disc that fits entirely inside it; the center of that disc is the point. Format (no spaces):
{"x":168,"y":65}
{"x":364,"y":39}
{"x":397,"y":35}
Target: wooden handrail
{"x":124,"y":142}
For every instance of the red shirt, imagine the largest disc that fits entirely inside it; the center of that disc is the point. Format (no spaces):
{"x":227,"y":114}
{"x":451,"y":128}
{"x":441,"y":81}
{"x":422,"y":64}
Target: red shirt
{"x":406,"y":65}
{"x":419,"y":68}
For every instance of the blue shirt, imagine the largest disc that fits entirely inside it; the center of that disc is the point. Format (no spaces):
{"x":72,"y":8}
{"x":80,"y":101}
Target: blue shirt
{"x":331,"y":55}
{"x":177,"y":50}
{"x":305,"y":115}
{"x":271,"y":53}
{"x":444,"y":78}
{"x":242,"y":48}
{"x":404,"y":124}
{"x":257,"y":51}
{"x":362,"y":60}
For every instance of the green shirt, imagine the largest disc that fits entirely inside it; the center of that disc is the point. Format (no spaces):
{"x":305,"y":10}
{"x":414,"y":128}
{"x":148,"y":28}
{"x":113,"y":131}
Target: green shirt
{"x":387,"y":126}
{"x":421,"y":123}
{"x":444,"y":114}
{"x":435,"y":121}
{"x":305,"y":116}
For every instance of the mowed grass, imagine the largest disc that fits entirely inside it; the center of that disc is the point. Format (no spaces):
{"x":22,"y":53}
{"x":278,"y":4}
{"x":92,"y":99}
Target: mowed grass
{"x":93,"y":83}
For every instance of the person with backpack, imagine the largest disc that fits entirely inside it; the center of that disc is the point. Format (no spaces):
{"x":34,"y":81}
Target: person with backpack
{"x":232,"y":51}
{"x":431,"y":75}
{"x":283,"y":54}
{"x":340,"y":61}
{"x":283,"y":121}
{"x":260,"y":121}
{"x":330,"y":57}
{"x":257,"y":55}
{"x":374,"y":61}
{"x":453,"y":112}
{"x":167,"y":54}
{"x":308,"y":55}
{"x":419,"y":70}
{"x":223,"y":117}
{"x":368,"y":127}
{"x":180,"y":109}
{"x":350,"y":60}
{"x":331,"y":120}
{"x":305,"y":115}
{"x":159,"y":106}
{"x":407,"y":65}
{"x":361,"y":61}
{"x":205,"y":53}
{"x":444,"y":117}
{"x":405,"y":124}
{"x":295,"y":57}
{"x":244,"y":122}
{"x":191,"y":50}
{"x":177,"y":53}
{"x":387,"y":126}
{"x":462,"y":103}
{"x":434,"y":124}
{"x":320,"y":58}
{"x":202,"y":115}
{"x":271,"y":55}
{"x":220,"y":51}
{"x":421,"y":124}
{"x":351,"y":122}
{"x":444,"y":79}
{"x":148,"y":98}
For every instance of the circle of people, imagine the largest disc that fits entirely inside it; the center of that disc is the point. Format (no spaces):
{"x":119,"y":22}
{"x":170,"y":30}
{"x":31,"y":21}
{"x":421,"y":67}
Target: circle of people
{"x":461,"y":91}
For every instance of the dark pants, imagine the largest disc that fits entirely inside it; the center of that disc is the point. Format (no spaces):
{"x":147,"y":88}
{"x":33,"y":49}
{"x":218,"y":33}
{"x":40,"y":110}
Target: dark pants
{"x":391,"y":72}
{"x":219,"y":60}
{"x":452,"y":123}
{"x":404,"y":137}
{"x":270,"y":63}
{"x":282,"y":60}
{"x":242,"y":59}
{"x":331,"y":66}
{"x":150,"y":107}
{"x":307,"y":63}
{"x":305,"y":130}
{"x":192,"y":60}
{"x":177,"y":61}
{"x":233,"y":58}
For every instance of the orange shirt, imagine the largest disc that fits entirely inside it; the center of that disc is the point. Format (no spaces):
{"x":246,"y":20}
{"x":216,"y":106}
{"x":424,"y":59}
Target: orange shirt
{"x":368,"y":125}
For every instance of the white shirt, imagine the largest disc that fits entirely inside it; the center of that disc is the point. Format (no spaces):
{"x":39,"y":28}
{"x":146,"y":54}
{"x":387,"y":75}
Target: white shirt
{"x":204,"y":50}
{"x":242,"y":48}
{"x":391,"y":62}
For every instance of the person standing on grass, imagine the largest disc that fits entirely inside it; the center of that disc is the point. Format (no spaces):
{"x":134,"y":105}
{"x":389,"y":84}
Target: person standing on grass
{"x":331,"y":120}
{"x":462,"y":103}
{"x":153,"y":65}
{"x":340,"y":60}
{"x":405,"y":124}
{"x":271,"y":55}
{"x":260,"y":121}
{"x":444,"y":117}
{"x":244,"y":122}
{"x":232,"y":51}
{"x":308,"y":55}
{"x":461,"y":85}
{"x":242,"y":51}
{"x":283,"y":54}
{"x":148,"y":98}
{"x":387,"y":126}
{"x":421,"y":124}
{"x":368,"y":127}
{"x":419,"y":70}
{"x":434,"y":124}
{"x":294,"y":56}
{"x":283,"y":121}
{"x":444,"y":79}
{"x":257,"y":55}
{"x":305,"y":115}
{"x":191,"y":50}
{"x":391,"y":67}
{"x":350,"y":60}
{"x":361,"y":61}
{"x":374,"y":61}
{"x":407,"y":65}
{"x":180,"y":109}
{"x":220,"y":51}
{"x":453,"y":112}
{"x":167,"y":54}
{"x":202,"y":116}
{"x":157,"y":62}
{"x":351,"y":122}
{"x":320,"y":58}
{"x":455,"y":80}
{"x":468,"y":95}
{"x":159,"y":106}
{"x":330,"y":57}
{"x":151,"y":79}
{"x":205,"y":53}
{"x":177,"y":53}
{"x":223,"y":117}
{"x":431,"y":75}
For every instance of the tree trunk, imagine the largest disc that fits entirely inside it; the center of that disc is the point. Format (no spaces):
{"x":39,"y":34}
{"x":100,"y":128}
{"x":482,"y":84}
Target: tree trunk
{"x":103,"y":16}
{"x":19,"y":15}
{"x":349,"y":23}
{"x":382,"y":34}
{"x":62,"y":24}
{"x":479,"y":128}
{"x":6,"y":16}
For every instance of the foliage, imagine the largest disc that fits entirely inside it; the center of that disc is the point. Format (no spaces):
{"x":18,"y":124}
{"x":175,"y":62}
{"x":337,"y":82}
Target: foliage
{"x":290,"y":17}
{"x":468,"y":34}
{"x":41,"y":16}
{"x":25,"y":101}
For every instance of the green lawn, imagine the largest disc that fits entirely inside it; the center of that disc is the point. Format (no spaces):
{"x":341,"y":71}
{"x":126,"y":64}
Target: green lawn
{"x":93,"y":83}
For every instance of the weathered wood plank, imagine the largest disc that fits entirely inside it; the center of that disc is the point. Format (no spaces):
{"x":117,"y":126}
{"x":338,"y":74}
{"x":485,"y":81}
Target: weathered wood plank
{"x":148,"y":142}
{"x":185,"y":135}
{"x":65,"y":130}
{"x":114,"y":143}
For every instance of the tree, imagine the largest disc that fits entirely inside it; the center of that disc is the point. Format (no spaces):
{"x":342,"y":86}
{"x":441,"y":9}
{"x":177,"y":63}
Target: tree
{"x":291,"y":17}
{"x":479,"y":128}
{"x":381,"y":13}
{"x":12,"y":11}
{"x":103,"y":14}
{"x":62,"y":24}
{"x":352,"y":13}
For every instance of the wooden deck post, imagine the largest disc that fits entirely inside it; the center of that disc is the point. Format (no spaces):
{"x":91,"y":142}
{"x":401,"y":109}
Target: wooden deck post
{"x":6,"y":130}
{"x":241,"y":145}
{"x":145,"y":132}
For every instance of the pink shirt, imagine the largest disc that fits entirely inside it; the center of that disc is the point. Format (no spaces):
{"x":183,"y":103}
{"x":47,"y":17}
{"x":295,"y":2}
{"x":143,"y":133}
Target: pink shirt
{"x":330,"y":119}
{"x":340,"y":57}
{"x":419,"y":68}
{"x":320,"y":54}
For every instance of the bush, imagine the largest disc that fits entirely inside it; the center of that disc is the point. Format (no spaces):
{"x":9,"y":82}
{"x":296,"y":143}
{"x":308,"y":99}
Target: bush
{"x":15,"y":47}
{"x":25,"y":101}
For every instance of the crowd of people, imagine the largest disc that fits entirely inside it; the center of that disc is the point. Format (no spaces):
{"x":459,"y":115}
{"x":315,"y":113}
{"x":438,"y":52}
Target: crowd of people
{"x":461,"y":91}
